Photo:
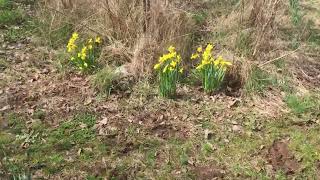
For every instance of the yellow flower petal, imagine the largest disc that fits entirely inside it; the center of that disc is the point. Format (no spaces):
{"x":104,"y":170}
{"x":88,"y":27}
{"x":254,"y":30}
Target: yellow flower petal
{"x":171,"y":49}
{"x":173,"y":64}
{"x":157,"y":66}
{"x":98,"y":40}
{"x":195,"y":56}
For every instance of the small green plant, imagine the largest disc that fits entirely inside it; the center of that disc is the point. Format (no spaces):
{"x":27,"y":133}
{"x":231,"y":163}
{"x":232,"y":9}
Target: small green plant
{"x":5,"y":4}
{"x":296,"y":16}
{"x":259,"y":80}
{"x":84,"y":58}
{"x":243,"y":43}
{"x":298,"y":105}
{"x":169,"y":68}
{"x":104,"y":79}
{"x":8,"y":17}
{"x":212,"y":70}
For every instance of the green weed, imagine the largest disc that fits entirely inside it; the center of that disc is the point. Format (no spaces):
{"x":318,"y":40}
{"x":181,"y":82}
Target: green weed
{"x":9,"y":17}
{"x":314,"y":38}
{"x":259,"y":81}
{"x":244,"y":43}
{"x":6,"y":138}
{"x":16,"y":123}
{"x":298,"y":105}
{"x":200,"y":17}
{"x":295,"y":10}
{"x":53,"y":37}
{"x":55,"y":163}
{"x":39,"y":114}
{"x":27,"y":29}
{"x":5,"y":4}
{"x":304,"y":146}
{"x":280,"y":63}
{"x":3,"y":64}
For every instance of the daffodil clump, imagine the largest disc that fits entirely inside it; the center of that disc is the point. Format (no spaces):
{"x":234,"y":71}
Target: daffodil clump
{"x":83,"y":56}
{"x":212,"y":70}
{"x":169,"y":68}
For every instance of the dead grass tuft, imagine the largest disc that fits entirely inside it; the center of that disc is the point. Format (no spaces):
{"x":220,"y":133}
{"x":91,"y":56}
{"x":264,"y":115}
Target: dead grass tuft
{"x":136,"y":32}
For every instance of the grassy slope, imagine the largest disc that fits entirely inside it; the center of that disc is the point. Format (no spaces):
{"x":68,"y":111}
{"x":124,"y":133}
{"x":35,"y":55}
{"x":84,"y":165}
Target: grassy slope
{"x":195,"y":136}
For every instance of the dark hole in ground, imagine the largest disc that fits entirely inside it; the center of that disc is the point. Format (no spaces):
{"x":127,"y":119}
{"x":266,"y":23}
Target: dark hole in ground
{"x":209,"y":172}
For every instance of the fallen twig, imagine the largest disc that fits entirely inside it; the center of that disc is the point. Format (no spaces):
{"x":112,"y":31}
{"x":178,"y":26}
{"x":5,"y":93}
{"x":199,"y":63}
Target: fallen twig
{"x":272,"y":60}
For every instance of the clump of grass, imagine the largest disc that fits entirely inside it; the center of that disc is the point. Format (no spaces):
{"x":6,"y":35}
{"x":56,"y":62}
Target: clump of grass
{"x":27,"y":29}
{"x":8,"y":17}
{"x":295,"y":11}
{"x":244,"y":43}
{"x":200,"y":17}
{"x":305,"y":147}
{"x":298,"y":105}
{"x":5,"y":4}
{"x":16,"y":122}
{"x":259,"y":80}
{"x":3,"y":64}
{"x":104,"y":79}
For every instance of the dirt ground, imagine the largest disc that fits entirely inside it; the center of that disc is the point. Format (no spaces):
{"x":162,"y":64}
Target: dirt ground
{"x":55,"y":125}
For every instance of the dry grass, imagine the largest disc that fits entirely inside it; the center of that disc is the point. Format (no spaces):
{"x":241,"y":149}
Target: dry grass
{"x":135,"y":32}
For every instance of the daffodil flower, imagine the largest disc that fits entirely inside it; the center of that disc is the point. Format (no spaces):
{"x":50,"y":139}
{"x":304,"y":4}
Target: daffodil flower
{"x":195,"y":56}
{"x":173,"y":64}
{"x":199,"y":50}
{"x":212,"y":70}
{"x":98,"y":40}
{"x":171,"y":49}
{"x":157,"y":66}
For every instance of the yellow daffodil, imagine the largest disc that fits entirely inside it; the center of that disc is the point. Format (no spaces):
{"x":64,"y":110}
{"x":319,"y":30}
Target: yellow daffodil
{"x":73,"y":58}
{"x":195,"y":56}
{"x":180,"y":70}
{"x":71,"y":44}
{"x":226,"y":63}
{"x":173,"y":64}
{"x":199,"y":50}
{"x":98,"y":40}
{"x":157,"y":66}
{"x":75,"y":35}
{"x":84,"y":53}
{"x":90,"y":41}
{"x":178,"y":58}
{"x":171,"y":49}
